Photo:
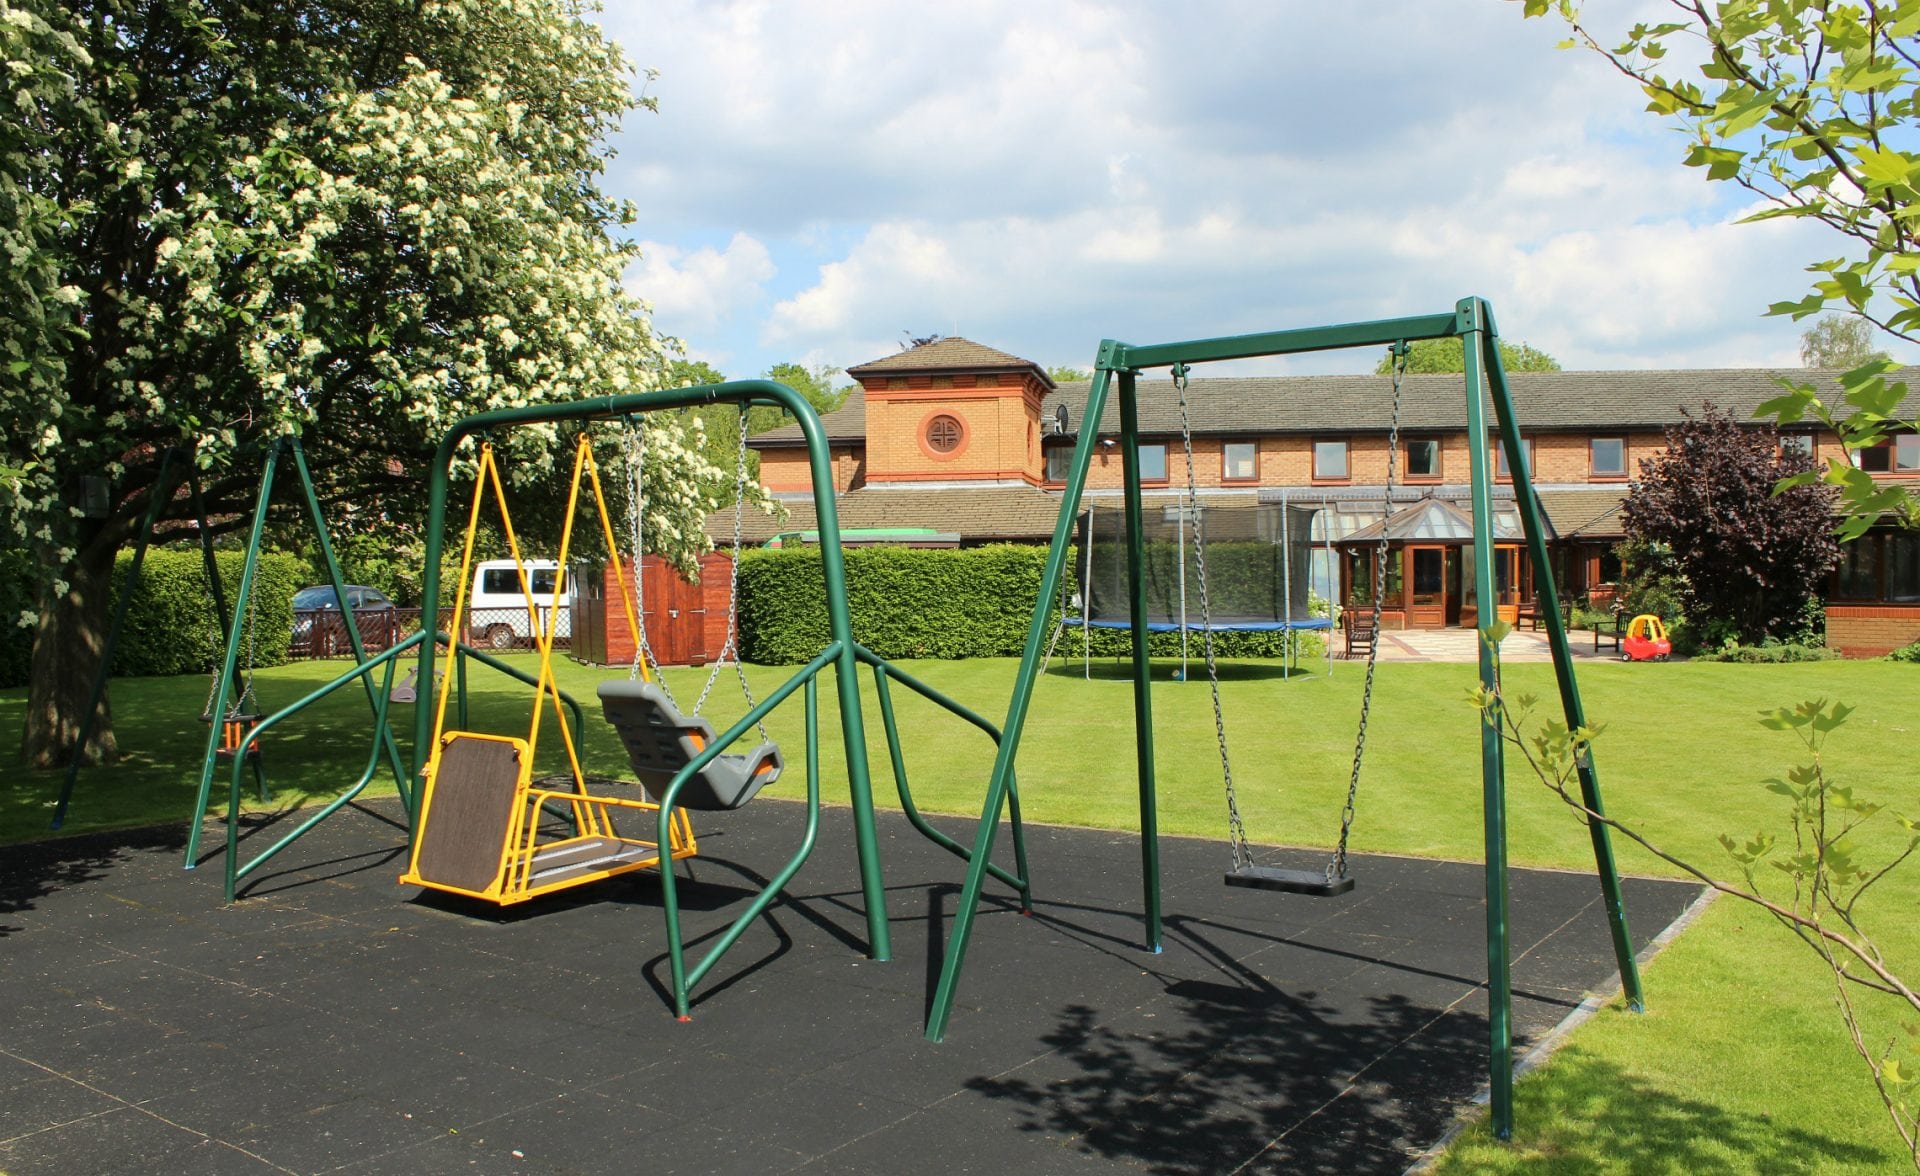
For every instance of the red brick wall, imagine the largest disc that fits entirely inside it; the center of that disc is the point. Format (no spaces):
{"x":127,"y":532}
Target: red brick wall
{"x":1872,"y":630}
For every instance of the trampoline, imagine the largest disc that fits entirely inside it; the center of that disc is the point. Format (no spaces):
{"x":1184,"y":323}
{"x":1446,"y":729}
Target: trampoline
{"x":1220,"y":625}
{"x":1259,"y":558}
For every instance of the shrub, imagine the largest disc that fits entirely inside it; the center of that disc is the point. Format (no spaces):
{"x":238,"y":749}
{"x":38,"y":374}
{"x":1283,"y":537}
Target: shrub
{"x":1910,"y":653}
{"x":907,"y":602}
{"x":1769,"y":653}
{"x":171,"y":627}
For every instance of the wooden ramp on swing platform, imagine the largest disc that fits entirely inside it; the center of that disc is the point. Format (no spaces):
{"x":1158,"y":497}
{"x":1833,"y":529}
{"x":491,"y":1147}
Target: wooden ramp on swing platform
{"x":480,"y":835}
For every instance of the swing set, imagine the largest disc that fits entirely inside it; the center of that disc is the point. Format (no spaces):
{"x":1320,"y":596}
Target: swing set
{"x":479,"y":831}
{"x":1470,"y":321}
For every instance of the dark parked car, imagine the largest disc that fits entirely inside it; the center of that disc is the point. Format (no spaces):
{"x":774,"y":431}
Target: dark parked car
{"x":317,"y":629}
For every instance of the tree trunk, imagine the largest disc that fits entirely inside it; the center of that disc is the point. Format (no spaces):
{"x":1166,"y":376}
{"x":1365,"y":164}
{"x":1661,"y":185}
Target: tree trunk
{"x":68,"y":644}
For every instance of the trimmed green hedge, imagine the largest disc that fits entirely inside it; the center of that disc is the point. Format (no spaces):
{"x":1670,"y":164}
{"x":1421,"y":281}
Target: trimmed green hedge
{"x":170,"y":626}
{"x":908,"y":602}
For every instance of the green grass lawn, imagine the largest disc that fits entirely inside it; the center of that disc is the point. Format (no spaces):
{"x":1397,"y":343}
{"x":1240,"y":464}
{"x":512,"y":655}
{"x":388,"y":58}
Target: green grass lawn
{"x":1740,"y":1064}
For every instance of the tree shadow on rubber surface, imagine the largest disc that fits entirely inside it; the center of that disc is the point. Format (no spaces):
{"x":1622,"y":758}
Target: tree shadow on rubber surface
{"x":29,"y":873}
{"x":1224,"y":1076}
{"x":1221,"y":1074}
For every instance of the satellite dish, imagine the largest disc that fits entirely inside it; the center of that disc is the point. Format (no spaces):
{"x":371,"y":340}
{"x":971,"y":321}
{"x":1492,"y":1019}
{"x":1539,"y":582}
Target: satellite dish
{"x":1060,"y":418}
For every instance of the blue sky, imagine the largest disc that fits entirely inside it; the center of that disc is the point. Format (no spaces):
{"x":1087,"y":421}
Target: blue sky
{"x":822,"y":179}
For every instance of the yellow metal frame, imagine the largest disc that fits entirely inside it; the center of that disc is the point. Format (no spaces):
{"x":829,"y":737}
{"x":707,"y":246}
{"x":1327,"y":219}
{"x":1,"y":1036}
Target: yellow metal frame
{"x":592,"y":814}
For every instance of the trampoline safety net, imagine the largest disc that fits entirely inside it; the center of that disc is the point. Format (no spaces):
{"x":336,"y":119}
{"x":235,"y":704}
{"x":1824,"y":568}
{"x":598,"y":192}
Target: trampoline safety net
{"x":1259,"y":565}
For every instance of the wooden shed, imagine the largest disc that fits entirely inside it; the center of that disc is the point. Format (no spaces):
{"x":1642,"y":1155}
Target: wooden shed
{"x":686,"y":622}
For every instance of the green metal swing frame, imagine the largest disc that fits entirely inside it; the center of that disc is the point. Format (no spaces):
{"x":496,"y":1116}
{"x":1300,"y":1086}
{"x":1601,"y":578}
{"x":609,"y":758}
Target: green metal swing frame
{"x":1471,"y":321}
{"x":842,"y":653}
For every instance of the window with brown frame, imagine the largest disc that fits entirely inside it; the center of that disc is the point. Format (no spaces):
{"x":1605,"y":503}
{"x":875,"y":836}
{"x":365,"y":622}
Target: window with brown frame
{"x":1153,"y":463}
{"x":1903,"y":567}
{"x":1500,"y":470}
{"x":1796,"y":443}
{"x":1606,"y":458}
{"x":1330,"y":461}
{"x":1858,"y":576}
{"x":1240,"y":461}
{"x":1059,"y":462}
{"x":1422,"y":461}
{"x":1894,"y":455}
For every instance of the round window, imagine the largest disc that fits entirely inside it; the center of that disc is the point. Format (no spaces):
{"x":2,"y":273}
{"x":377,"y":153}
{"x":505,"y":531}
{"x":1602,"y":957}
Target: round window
{"x":943,"y":434}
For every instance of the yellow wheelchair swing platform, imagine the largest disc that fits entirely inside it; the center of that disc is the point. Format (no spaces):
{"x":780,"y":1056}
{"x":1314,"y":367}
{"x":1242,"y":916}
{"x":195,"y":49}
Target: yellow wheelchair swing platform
{"x":480,"y":828}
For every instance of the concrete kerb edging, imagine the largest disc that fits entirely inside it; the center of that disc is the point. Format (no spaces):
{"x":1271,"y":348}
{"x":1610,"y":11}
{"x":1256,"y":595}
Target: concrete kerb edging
{"x":1548,"y":1045}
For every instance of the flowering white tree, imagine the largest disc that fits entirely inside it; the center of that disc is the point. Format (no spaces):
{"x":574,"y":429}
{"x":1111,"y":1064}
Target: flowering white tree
{"x":360,"y":219}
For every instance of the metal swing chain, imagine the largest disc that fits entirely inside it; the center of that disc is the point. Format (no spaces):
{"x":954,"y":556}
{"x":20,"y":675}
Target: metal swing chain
{"x":213,"y":677}
{"x":636,"y":447}
{"x":1337,"y":868}
{"x":246,"y":692}
{"x":1236,"y":829}
{"x":732,"y":643}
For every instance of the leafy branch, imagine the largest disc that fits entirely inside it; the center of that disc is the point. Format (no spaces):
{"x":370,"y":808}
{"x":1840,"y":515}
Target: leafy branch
{"x":1826,"y":876}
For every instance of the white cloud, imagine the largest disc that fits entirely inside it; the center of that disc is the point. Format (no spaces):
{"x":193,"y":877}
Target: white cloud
{"x":1037,"y":177}
{"x":698,"y":290}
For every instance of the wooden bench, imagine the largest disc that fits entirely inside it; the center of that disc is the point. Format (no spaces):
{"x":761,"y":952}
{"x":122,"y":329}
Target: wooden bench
{"x":1361,"y":632}
{"x":1603,"y":636}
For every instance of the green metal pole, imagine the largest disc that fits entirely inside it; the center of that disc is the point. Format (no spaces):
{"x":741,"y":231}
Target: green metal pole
{"x":999,"y":783}
{"x":1142,"y":660}
{"x":235,"y":869}
{"x":846,"y":679}
{"x":1571,"y":707}
{"x":375,"y":702}
{"x":1474,"y":330}
{"x":232,"y":658}
{"x":90,"y":719}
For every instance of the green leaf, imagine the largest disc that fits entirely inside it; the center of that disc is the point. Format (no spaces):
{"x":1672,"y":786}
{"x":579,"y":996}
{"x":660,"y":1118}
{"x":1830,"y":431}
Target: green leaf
{"x":1722,"y":163}
{"x":1884,"y":167}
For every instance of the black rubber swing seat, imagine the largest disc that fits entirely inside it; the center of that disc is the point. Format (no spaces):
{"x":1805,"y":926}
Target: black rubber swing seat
{"x":1311,"y":882}
{"x":660,"y":741}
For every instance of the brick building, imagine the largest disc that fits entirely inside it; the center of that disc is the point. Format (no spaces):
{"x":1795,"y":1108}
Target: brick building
{"x":959,"y":437}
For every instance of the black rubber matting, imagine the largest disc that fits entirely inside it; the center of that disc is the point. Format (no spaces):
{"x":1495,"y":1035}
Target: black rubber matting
{"x":336,"y":1020}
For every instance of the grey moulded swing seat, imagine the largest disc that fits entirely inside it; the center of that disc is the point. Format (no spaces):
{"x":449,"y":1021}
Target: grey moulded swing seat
{"x":660,"y":741}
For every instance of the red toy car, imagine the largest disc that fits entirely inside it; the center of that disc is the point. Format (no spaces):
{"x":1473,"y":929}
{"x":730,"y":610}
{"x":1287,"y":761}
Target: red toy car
{"x":1646,"y":640}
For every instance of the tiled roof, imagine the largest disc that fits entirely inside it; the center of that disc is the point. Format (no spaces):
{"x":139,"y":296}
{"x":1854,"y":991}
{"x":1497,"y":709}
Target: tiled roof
{"x":949,"y":354}
{"x":848,"y":423}
{"x":992,"y":512}
{"x":1027,"y":514}
{"x":1584,"y":514}
{"x":1545,"y":401}
{"x":1542,"y":400}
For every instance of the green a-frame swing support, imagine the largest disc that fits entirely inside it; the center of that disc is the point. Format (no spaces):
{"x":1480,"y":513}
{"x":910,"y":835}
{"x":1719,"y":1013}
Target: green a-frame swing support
{"x":1471,"y":321}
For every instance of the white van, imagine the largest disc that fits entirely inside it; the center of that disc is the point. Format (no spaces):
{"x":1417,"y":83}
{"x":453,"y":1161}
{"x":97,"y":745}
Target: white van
{"x":498,"y":611}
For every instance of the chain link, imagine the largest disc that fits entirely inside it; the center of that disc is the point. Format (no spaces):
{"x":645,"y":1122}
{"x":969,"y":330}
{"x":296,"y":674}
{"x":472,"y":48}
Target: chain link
{"x":636,"y":453}
{"x":636,"y":507}
{"x":1337,"y":868}
{"x":732,"y":643}
{"x":1236,"y":828}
